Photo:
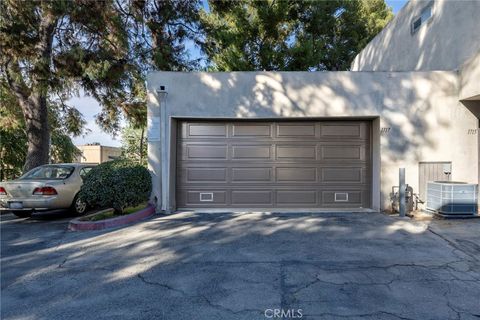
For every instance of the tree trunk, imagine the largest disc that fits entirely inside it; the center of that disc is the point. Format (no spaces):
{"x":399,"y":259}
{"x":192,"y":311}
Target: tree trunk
{"x":38,"y":133}
{"x":141,"y":145}
{"x":2,"y":167}
{"x":35,"y":109}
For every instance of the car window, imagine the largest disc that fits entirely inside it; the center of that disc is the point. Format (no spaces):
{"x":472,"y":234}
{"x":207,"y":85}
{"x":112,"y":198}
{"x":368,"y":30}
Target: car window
{"x":83,"y":172}
{"x":49,"y":173}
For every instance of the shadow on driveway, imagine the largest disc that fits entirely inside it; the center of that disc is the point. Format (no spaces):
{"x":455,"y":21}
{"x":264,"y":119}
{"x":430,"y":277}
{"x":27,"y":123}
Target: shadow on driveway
{"x":236,"y":266}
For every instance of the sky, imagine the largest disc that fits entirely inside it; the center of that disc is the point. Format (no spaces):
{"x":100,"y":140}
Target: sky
{"x":89,"y":107}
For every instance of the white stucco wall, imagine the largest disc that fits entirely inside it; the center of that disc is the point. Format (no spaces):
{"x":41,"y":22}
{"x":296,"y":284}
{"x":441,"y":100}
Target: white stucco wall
{"x":470,"y":79}
{"x":426,"y":120}
{"x":449,"y":38}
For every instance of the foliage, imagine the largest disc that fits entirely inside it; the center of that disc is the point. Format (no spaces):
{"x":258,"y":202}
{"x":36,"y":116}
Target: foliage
{"x":134,"y":145}
{"x":51,"y":49}
{"x":12,"y":137}
{"x":64,"y":121}
{"x":160,"y":32}
{"x":117,"y":184}
{"x":109,"y":214}
{"x":289,"y":35}
{"x":62,"y":149}
{"x":12,"y":153}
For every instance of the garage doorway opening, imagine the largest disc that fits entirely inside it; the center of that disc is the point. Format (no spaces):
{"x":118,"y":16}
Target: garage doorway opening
{"x":278,"y":164}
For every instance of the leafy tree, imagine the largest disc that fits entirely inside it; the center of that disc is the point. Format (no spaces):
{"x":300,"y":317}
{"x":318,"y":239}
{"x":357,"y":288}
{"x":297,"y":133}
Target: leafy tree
{"x":289,"y":35}
{"x":63,"y":122}
{"x":12,"y":151}
{"x":159,"y":31}
{"x":134,"y":144}
{"x":50,"y":49}
{"x":62,"y":149}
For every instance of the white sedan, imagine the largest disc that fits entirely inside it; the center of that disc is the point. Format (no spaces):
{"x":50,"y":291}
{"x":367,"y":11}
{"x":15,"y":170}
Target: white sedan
{"x":52,"y":186}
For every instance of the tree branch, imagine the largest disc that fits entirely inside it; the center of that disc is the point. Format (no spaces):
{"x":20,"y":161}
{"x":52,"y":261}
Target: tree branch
{"x":18,"y":86}
{"x":183,"y":25}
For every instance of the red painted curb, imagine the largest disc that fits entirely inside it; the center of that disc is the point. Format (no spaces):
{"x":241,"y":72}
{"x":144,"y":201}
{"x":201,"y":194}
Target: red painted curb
{"x":79,"y":225}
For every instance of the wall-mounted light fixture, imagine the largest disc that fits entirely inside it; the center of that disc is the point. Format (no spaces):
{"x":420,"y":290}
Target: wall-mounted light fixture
{"x":162,"y":91}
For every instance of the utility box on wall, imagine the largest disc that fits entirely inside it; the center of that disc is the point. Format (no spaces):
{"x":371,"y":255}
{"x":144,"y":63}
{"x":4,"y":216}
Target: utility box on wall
{"x":452,"y":198}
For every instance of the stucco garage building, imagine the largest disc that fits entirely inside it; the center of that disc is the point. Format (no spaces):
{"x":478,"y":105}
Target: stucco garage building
{"x":329,"y":140}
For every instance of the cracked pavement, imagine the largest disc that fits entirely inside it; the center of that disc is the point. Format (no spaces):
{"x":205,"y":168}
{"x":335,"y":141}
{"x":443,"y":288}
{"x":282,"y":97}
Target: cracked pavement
{"x":235,"y":266}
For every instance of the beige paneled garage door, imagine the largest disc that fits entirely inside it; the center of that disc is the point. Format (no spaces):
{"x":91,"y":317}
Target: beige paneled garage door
{"x":238,"y":164}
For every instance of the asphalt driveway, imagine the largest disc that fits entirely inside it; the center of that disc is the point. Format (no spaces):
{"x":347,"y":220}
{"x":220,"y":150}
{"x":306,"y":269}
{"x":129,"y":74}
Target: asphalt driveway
{"x":243,"y":266}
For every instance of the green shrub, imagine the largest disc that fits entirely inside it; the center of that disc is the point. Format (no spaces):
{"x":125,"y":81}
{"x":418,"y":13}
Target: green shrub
{"x":116,"y":184}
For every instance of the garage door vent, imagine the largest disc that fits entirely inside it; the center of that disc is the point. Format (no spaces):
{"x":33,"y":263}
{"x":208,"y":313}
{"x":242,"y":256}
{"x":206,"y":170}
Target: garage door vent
{"x":207,"y":196}
{"x":341,"y":197}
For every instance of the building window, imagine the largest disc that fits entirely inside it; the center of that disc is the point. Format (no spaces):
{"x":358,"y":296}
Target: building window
{"x":422,"y":19}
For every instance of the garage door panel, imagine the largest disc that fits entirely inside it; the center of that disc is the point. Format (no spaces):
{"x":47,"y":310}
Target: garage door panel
{"x":295,"y":152}
{"x":296,"y":130}
{"x":342,"y":175}
{"x":207,"y":130}
{"x":251,"y":130}
{"x":345,"y":198}
{"x":296,"y":174}
{"x":273,"y":164}
{"x":253,"y":175}
{"x":252,"y":197}
{"x":307,"y":198}
{"x":342,"y":152}
{"x":203,"y":197}
{"x":341,"y":130}
{"x":206,"y":174}
{"x":206,"y":151}
{"x":259,"y":152}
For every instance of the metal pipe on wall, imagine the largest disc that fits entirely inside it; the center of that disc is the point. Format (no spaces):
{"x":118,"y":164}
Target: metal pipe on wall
{"x":401,"y":191}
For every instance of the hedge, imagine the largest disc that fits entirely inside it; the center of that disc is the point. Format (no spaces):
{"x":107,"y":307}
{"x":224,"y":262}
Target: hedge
{"x":116,"y":184}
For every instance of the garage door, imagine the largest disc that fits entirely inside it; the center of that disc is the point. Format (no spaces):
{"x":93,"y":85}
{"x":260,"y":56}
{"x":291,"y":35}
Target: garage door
{"x":281,"y":164}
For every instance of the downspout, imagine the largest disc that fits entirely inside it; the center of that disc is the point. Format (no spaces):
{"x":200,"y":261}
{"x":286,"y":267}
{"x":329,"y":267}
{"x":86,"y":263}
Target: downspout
{"x":165,"y":148}
{"x":157,"y":144}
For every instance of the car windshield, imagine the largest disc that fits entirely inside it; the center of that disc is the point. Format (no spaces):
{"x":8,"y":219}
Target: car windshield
{"x":49,"y":172}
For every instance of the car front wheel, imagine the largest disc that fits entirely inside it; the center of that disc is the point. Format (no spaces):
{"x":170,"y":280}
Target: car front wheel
{"x":79,"y":206}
